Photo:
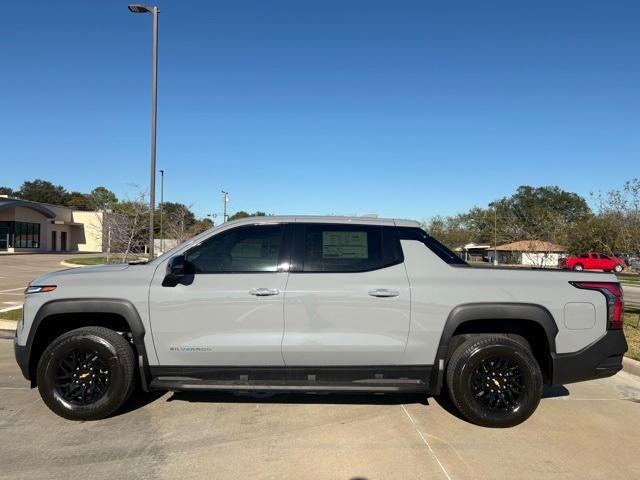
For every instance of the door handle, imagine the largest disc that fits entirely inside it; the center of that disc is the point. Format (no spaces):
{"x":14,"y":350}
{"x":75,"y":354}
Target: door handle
{"x":264,"y":292}
{"x":383,"y":292}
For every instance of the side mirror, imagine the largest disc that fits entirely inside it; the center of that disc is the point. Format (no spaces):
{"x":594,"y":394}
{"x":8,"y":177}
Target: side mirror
{"x":177,"y":266}
{"x":178,"y":272}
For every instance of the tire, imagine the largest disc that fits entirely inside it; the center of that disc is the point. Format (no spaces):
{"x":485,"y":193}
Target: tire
{"x":496,"y":357}
{"x":110,"y":364}
{"x":617,"y":268}
{"x":578,"y":267}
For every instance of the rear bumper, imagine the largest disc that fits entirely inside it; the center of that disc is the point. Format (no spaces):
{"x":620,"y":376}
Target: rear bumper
{"x":603,"y":358}
{"x":22,"y":357}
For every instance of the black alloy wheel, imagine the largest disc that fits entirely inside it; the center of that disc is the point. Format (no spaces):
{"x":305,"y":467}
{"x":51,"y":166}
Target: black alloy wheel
{"x":494,"y":379}
{"x":498,"y":384}
{"x":87,"y":373}
{"x":83,"y":377}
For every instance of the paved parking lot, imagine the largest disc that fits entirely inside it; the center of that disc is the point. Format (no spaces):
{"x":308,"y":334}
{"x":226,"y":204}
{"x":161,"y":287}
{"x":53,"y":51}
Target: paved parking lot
{"x":16,"y":271}
{"x":588,"y":430}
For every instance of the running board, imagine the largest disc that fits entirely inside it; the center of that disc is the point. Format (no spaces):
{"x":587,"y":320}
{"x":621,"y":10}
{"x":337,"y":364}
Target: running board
{"x":386,"y":385}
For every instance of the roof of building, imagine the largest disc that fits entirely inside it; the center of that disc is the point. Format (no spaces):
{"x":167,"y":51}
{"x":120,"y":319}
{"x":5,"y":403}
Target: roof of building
{"x":15,"y":202}
{"x":531,"y":246}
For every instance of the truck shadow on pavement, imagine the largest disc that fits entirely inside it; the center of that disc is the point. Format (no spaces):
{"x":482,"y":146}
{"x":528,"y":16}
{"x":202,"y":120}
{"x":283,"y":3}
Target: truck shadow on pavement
{"x":140,"y":399}
{"x":549,"y":392}
{"x":299,"y":398}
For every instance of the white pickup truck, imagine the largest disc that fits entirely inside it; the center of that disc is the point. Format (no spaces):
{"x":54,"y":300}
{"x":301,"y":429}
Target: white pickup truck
{"x":317,"y":304}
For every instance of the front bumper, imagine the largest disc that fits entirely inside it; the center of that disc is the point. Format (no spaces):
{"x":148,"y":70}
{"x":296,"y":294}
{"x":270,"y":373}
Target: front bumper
{"x":603,"y":358}
{"x":22,"y":357}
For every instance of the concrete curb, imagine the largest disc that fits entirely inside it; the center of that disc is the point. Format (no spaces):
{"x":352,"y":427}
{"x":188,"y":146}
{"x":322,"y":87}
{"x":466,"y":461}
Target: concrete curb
{"x":631,"y":366}
{"x":70,"y":265}
{"x":8,"y":324}
{"x":8,"y":328}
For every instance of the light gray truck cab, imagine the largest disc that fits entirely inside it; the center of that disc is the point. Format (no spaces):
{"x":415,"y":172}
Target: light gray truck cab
{"x":317,"y":304}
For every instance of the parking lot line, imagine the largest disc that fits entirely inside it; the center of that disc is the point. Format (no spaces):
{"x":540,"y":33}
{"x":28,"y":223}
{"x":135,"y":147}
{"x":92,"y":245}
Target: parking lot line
{"x":444,"y":470}
{"x":11,"y":290}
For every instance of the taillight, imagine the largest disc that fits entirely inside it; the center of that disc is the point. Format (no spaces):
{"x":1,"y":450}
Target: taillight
{"x":615,"y":304}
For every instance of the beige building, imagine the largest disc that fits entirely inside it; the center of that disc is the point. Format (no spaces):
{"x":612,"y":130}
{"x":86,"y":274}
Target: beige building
{"x":27,"y":226}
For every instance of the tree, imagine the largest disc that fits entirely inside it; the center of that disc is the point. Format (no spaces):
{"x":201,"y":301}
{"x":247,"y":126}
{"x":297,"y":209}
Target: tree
{"x":543,"y":213}
{"x":177,"y":219}
{"x":621,"y":209}
{"x":43,"y":191}
{"x":79,"y":201}
{"x":198,"y":227}
{"x":128,"y":225}
{"x":7,"y":191}
{"x":102,"y":198}
{"x":243,"y":214}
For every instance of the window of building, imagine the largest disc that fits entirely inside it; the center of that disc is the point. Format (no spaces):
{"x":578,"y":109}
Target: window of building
{"x":25,"y":235}
{"x":253,"y":248}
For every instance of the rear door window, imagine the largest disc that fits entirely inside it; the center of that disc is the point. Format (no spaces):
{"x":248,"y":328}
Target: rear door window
{"x":346,"y":248}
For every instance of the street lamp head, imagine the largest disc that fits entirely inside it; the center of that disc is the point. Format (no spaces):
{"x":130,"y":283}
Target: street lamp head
{"x":135,"y":8}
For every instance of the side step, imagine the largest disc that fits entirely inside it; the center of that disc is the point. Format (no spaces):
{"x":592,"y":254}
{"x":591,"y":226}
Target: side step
{"x":370,"y":386}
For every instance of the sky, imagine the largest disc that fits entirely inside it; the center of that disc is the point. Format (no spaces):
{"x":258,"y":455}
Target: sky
{"x":404,"y":109}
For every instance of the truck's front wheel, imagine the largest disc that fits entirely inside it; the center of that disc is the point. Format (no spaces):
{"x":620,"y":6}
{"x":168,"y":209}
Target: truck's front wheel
{"x":494,"y":380}
{"x":87,"y":373}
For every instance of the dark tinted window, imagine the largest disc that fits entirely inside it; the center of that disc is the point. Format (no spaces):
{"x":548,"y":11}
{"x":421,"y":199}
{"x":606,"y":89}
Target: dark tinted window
{"x":348,"y":248}
{"x":441,"y":250}
{"x":244,"y":249}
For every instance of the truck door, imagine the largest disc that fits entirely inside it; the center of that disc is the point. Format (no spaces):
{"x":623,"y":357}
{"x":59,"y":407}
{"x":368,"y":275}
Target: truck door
{"x":347,"y":300}
{"x":229,"y":311}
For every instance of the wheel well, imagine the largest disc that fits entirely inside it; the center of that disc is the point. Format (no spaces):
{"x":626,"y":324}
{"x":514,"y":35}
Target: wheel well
{"x":52,"y":326}
{"x":532,"y":331}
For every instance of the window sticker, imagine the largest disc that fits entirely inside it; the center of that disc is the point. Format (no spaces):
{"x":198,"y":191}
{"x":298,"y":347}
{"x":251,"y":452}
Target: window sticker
{"x":344,"y":245}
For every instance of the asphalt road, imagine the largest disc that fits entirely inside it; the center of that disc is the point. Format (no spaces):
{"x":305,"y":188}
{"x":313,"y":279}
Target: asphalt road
{"x":587,"y":430}
{"x":631,"y":294}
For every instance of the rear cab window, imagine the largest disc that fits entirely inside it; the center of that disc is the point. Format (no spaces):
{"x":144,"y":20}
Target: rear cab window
{"x":441,"y":250}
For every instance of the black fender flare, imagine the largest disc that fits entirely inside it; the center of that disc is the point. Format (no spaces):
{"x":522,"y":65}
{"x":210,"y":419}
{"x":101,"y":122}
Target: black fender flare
{"x":491,"y":311}
{"x":121,"y":307}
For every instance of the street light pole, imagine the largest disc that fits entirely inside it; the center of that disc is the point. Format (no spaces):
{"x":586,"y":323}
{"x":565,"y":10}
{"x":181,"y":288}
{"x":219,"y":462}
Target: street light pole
{"x":154,"y":113}
{"x":225,"y":200}
{"x":495,"y":236}
{"x":161,"y":209}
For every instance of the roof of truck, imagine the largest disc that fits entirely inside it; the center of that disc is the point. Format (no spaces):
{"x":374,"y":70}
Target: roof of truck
{"x":326,"y":219}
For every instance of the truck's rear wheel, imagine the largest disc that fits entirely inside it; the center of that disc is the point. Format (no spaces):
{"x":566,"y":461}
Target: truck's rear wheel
{"x":578,"y":267}
{"x":494,"y":380}
{"x":87,"y":373}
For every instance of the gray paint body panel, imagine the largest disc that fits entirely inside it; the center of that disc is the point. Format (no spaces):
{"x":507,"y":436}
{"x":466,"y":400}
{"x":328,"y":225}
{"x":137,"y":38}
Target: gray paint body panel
{"x":433,"y":293}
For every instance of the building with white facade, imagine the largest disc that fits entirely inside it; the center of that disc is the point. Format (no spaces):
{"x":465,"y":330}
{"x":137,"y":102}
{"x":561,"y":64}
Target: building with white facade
{"x":27,"y":226}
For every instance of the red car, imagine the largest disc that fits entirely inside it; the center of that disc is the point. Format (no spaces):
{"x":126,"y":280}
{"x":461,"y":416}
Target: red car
{"x":593,"y":261}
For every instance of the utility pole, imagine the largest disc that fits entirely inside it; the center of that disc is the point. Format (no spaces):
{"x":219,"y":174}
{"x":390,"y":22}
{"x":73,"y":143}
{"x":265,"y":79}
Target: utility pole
{"x":161,"y":209}
{"x":225,"y":200}
{"x":154,"y":113}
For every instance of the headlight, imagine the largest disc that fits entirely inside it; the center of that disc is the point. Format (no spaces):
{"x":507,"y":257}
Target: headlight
{"x":39,"y":289}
